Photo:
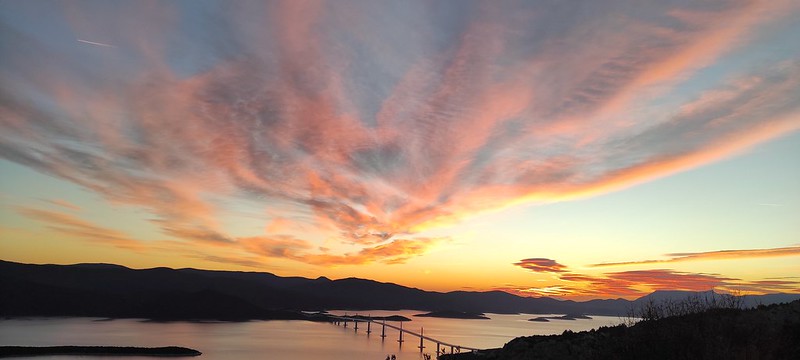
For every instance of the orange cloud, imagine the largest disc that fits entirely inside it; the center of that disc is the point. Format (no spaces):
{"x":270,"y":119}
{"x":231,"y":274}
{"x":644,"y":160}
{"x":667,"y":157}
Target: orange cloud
{"x":395,"y":252}
{"x":636,"y":283}
{"x":279,"y":246}
{"x":665,"y":279}
{"x":632,"y":284}
{"x":278,"y":225}
{"x":714,"y":255}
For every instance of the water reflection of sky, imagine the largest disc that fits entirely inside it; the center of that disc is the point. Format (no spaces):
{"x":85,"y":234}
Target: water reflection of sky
{"x":281,"y":339}
{"x":499,"y":329}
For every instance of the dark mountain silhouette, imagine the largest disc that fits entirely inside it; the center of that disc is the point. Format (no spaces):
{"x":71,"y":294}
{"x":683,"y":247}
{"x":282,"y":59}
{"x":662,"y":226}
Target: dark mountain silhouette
{"x":104,"y":290}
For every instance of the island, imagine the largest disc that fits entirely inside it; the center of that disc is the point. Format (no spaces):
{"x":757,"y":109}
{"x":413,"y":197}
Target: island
{"x":167,"y":351}
{"x":449,"y":314}
{"x":379,"y":318}
{"x":563,"y":317}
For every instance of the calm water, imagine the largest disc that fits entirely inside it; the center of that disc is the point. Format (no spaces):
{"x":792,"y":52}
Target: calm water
{"x":283,"y":339}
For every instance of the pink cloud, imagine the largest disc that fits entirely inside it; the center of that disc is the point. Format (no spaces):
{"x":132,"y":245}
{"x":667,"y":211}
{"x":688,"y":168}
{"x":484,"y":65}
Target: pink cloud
{"x":371,"y":129}
{"x":278,"y":225}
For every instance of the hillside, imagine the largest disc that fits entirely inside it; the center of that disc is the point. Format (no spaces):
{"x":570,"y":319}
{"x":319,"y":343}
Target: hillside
{"x":765,"y":332}
{"x":105,"y":290}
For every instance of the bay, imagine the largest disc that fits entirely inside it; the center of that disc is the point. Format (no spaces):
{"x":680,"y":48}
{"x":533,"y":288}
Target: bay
{"x":285,"y":339}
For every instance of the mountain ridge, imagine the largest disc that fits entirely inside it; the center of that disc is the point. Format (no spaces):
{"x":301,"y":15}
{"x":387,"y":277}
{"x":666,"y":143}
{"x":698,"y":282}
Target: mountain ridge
{"x":110,"y":290}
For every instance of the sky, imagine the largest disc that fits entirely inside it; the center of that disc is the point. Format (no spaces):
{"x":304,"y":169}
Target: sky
{"x":574,"y":149}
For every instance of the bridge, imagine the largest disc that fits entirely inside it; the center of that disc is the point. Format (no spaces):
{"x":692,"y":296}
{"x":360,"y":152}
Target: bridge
{"x":441,"y":346}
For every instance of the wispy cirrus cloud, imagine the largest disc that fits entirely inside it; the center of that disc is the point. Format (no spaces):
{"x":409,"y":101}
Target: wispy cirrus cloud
{"x":354,"y":117}
{"x":74,"y":226}
{"x":64,"y":204}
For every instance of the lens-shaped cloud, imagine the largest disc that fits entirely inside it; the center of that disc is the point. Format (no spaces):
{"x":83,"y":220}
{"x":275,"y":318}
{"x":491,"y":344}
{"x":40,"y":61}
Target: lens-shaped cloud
{"x":541,"y":265}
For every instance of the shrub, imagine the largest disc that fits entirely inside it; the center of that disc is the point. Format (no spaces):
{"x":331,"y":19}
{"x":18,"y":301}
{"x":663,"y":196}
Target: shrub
{"x":651,"y":309}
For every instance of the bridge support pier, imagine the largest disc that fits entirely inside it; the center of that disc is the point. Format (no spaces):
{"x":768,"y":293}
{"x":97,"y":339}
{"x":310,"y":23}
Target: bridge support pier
{"x":441,"y":347}
{"x":400,"y":340}
{"x":421,"y":333}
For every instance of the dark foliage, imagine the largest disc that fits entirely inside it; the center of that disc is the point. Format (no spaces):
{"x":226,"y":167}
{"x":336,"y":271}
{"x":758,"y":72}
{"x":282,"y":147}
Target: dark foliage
{"x":765,"y":332}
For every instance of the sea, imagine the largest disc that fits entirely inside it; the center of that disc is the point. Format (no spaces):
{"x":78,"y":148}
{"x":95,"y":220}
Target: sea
{"x":278,"y":339}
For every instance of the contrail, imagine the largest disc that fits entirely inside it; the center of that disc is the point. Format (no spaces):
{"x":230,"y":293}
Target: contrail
{"x":94,"y":43}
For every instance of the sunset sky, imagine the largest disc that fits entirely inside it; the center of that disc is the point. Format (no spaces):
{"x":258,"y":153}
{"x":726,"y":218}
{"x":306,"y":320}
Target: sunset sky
{"x":576,"y":149}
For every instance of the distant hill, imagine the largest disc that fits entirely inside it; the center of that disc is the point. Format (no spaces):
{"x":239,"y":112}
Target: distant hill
{"x":105,"y":290}
{"x":765,"y":332}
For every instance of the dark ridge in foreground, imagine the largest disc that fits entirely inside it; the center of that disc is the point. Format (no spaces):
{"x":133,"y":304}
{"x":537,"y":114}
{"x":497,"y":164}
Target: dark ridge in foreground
{"x":170,"y":351}
{"x":765,"y":333}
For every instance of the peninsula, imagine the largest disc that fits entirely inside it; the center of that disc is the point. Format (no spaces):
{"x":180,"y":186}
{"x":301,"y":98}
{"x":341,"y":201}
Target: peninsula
{"x":167,"y":351}
{"x":448,"y":314}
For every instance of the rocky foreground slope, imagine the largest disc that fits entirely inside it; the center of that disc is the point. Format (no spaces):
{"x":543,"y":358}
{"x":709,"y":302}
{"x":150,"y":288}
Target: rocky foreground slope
{"x":765,"y":332}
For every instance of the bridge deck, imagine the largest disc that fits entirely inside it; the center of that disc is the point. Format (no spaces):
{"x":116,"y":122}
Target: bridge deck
{"x":383,"y":323}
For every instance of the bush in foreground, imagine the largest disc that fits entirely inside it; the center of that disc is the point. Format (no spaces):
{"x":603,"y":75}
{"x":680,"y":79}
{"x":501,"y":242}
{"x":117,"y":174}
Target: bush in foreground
{"x":766,"y":332}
